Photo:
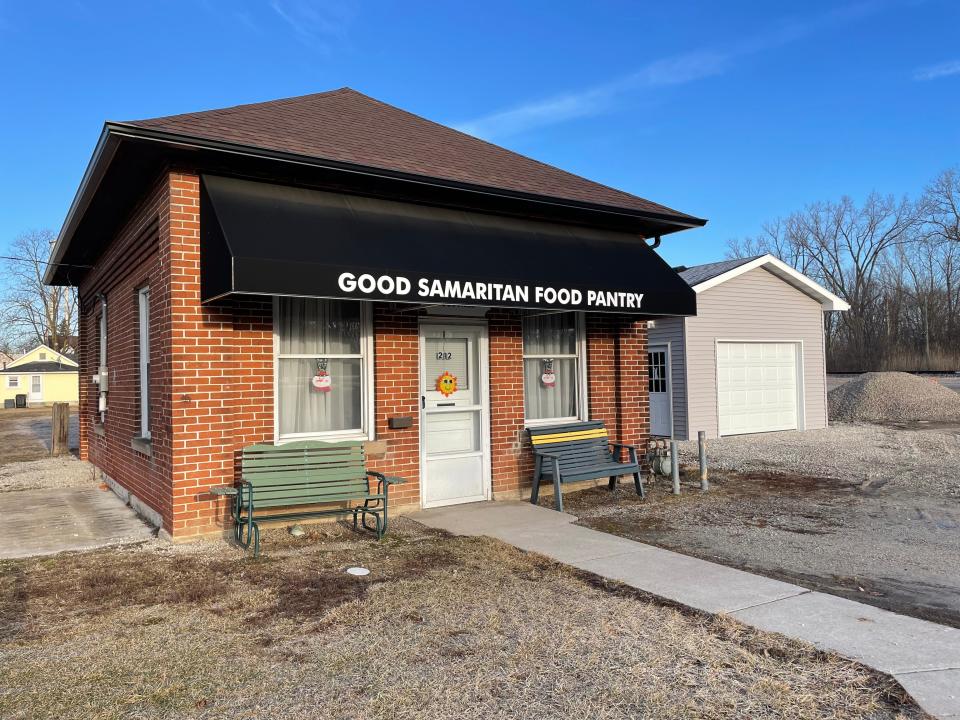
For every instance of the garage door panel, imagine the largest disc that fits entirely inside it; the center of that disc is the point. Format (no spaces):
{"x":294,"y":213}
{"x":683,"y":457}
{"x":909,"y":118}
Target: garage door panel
{"x":756,"y":387}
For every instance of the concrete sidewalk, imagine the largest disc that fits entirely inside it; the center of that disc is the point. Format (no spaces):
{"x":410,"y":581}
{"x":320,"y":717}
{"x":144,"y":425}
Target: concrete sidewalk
{"x":923,"y":656}
{"x":43,"y":522}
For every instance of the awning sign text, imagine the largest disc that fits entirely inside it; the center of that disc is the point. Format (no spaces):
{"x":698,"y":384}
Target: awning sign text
{"x":435,"y":289}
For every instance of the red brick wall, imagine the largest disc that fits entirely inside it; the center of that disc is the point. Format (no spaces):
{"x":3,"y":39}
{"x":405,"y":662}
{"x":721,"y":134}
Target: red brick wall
{"x":131,"y":261}
{"x":617,"y":375}
{"x":511,"y":465}
{"x":397,"y":394}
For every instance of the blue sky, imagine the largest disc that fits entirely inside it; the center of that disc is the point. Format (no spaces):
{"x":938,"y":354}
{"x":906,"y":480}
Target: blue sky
{"x":737,"y":111}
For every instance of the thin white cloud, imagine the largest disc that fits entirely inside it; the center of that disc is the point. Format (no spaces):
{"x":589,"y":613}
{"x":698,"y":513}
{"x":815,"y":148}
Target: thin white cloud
{"x":935,"y":72}
{"x":677,"y":70}
{"x":593,"y":101}
{"x":315,"y":25}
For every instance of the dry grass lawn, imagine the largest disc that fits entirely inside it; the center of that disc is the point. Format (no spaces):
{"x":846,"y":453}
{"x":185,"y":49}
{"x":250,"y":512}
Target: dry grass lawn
{"x":441,"y":628}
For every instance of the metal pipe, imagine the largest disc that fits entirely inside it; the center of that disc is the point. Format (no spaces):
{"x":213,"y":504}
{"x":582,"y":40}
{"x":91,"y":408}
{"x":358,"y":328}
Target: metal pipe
{"x":656,"y":243}
{"x":674,"y":467}
{"x":702,"y":443}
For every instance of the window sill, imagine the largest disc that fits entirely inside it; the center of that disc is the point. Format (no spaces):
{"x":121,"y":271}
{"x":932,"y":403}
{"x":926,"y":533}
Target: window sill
{"x":142,"y":445}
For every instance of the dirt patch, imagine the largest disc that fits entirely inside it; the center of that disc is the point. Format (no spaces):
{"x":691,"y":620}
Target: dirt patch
{"x":441,"y":628}
{"x":866,"y":541}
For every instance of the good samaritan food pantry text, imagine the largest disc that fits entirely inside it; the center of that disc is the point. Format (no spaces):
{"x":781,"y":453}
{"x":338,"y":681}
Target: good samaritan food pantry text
{"x":436,"y":289}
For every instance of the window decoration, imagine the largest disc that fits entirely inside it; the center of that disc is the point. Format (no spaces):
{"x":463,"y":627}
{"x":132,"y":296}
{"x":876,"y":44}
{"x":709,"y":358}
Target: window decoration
{"x":549,"y":377}
{"x":447,"y":384}
{"x":322,"y":382}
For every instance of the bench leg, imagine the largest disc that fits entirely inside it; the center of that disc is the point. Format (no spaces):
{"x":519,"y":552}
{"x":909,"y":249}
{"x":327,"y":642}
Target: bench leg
{"x":535,"y":492}
{"x":613,"y":482}
{"x":557,"y":493}
{"x":256,"y":540}
{"x":638,"y":484}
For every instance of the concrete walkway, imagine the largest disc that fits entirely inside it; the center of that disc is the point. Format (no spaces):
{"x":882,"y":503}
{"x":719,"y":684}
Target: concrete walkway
{"x":923,"y":656}
{"x":43,"y":522}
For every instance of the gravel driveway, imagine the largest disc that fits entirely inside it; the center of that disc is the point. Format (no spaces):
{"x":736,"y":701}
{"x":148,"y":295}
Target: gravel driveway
{"x":925,"y":461}
{"x":863,"y":511}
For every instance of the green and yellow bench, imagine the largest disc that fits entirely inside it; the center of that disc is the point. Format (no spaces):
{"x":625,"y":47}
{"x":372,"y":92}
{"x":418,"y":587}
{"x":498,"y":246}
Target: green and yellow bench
{"x":579,"y":451}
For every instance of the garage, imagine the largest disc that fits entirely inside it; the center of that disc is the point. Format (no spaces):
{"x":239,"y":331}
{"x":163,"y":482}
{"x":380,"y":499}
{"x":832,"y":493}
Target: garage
{"x":757,"y":387}
{"x":752,"y":360}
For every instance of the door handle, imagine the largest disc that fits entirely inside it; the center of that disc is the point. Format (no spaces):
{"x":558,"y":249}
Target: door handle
{"x":423,"y":402}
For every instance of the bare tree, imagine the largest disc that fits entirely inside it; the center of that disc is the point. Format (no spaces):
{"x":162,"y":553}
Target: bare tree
{"x":941,"y":203}
{"x":31,"y":312}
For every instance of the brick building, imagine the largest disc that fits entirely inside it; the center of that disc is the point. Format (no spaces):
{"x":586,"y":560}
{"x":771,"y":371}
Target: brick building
{"x":313,"y":268}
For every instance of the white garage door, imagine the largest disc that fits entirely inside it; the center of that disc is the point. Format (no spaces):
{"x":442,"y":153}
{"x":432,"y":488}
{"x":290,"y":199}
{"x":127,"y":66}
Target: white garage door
{"x":757,"y":386}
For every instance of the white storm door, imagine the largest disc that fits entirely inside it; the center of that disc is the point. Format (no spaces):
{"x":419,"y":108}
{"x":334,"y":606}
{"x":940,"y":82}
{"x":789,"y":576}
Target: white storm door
{"x":36,"y":388}
{"x":756,"y":387}
{"x":454,"y":418}
{"x":658,"y":387}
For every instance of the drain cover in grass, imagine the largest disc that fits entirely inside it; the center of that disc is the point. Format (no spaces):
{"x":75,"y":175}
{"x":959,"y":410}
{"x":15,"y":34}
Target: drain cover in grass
{"x":358,"y":571}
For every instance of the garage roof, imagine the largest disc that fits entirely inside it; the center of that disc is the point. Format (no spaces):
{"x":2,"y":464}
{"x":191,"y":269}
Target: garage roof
{"x":704,"y":277}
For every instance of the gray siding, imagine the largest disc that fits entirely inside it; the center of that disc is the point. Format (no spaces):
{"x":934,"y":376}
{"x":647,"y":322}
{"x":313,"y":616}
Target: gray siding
{"x":754,"y":306}
{"x":671,"y":330}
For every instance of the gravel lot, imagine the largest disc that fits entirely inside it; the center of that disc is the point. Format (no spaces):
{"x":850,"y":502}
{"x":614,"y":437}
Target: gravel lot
{"x":923,"y":461}
{"x":863,"y":511}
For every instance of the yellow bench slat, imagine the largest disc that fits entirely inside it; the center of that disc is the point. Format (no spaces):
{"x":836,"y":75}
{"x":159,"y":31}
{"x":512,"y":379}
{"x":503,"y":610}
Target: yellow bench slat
{"x":569,"y":436}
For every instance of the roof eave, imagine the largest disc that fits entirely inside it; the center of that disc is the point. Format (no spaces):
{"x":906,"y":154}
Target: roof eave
{"x":827,"y":300}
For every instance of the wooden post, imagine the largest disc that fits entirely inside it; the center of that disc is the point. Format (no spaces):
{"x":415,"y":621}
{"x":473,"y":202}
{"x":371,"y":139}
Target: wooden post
{"x":60,"y":443}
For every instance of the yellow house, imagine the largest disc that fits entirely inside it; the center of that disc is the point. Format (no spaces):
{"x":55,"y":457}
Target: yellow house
{"x":43,"y":376}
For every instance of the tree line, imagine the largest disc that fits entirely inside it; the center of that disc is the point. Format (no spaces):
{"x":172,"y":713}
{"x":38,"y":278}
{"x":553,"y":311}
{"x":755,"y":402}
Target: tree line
{"x":896,"y":261}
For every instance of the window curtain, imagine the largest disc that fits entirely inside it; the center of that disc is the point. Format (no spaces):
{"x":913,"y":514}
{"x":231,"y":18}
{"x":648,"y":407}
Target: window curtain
{"x":320,"y":330}
{"x":548,"y":337}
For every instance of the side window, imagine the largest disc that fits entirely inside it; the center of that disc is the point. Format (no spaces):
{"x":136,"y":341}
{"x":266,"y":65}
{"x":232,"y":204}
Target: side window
{"x":143,"y":313}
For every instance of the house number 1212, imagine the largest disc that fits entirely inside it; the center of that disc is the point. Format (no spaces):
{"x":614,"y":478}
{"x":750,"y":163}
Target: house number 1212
{"x":444,"y":355}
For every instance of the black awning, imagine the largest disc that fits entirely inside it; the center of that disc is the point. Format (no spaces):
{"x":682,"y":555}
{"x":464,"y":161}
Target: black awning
{"x":264,"y":239}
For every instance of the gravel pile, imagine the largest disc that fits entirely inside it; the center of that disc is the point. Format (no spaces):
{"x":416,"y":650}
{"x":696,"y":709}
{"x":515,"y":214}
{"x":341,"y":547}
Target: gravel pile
{"x":894,"y":397}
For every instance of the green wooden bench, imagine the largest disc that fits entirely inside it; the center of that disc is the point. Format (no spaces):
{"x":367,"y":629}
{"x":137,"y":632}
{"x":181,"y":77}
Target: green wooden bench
{"x":283,"y":479}
{"x":579,"y":451}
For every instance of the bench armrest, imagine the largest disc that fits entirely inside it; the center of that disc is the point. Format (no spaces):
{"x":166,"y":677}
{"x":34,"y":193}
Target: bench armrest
{"x":223,"y":490}
{"x":387,"y":480}
{"x":544,"y":453}
{"x":623,"y":445}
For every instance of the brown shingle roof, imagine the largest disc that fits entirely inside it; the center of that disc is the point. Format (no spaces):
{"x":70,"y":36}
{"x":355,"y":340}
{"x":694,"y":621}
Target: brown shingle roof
{"x":347,"y":126}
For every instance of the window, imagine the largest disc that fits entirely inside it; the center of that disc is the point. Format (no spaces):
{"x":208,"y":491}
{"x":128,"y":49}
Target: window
{"x":13,"y":381}
{"x":657,"y":371}
{"x":143,"y":308}
{"x":36,"y":386}
{"x":322,"y":364}
{"x":553,"y":366}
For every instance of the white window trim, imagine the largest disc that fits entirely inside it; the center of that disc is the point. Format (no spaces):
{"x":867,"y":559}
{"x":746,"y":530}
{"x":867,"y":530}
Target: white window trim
{"x":143,"y":358}
{"x":367,"y":431}
{"x":581,"y":357}
{"x":13,"y":381}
